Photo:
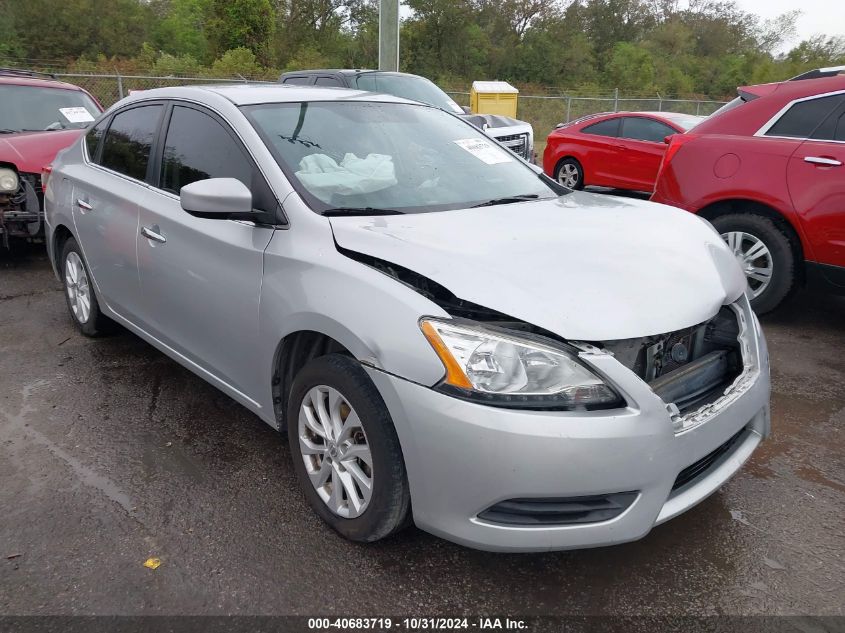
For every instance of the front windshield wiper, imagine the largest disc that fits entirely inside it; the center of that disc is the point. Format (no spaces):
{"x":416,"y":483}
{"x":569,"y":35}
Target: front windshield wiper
{"x":6,"y":130}
{"x":350,"y":211}
{"x":506,"y":200}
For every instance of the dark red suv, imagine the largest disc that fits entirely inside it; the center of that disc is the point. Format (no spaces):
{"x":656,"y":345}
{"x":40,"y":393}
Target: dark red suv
{"x":768,"y":170}
{"x":39,"y":116}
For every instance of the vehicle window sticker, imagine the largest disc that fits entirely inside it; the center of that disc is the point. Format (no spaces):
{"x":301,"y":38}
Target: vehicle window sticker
{"x":483,"y":151}
{"x":76,"y":115}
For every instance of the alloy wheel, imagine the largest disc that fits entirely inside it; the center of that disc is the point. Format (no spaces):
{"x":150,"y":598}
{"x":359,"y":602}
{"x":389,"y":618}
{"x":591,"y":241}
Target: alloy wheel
{"x":335,"y":450}
{"x":77,"y":287}
{"x":754,"y":258}
{"x":568,"y":175}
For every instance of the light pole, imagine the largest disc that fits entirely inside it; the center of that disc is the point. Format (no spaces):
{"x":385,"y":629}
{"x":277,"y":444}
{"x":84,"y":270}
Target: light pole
{"x":388,"y":35}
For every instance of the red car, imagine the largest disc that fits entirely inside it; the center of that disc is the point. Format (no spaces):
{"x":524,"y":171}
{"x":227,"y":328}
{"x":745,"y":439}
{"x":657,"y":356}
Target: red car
{"x":768,"y":171}
{"x":621,"y":150}
{"x":39,"y":116}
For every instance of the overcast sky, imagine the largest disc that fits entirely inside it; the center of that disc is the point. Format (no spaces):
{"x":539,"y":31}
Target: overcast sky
{"x":817,"y":16}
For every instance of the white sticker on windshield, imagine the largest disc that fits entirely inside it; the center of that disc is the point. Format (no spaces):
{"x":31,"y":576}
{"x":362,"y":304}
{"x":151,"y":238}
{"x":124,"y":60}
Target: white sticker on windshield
{"x":483,"y":150}
{"x":76,"y":115}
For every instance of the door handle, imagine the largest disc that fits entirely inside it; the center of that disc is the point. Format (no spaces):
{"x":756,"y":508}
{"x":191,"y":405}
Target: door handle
{"x":83,"y":205}
{"x":151,"y":233}
{"x":821,"y":160}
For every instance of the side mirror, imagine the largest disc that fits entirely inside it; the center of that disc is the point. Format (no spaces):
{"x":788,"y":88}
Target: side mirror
{"x":668,"y":139}
{"x":216,"y":197}
{"x":466,"y":109}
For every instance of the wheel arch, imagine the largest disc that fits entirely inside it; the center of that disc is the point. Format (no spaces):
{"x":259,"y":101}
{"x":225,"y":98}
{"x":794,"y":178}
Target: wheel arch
{"x":293,"y":352}
{"x":61,"y":234}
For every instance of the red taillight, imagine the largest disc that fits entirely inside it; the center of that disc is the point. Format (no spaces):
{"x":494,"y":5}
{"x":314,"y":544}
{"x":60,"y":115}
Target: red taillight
{"x":676,"y":141}
{"x":45,"y":175}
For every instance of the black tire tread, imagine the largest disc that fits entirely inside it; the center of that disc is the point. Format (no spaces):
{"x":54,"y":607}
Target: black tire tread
{"x":784,"y":257}
{"x":388,"y":513}
{"x":98,"y":324}
{"x":571,"y":159}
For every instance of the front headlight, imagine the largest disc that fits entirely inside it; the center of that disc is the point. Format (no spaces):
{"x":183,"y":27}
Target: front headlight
{"x":8,"y":180}
{"x":497,"y":368}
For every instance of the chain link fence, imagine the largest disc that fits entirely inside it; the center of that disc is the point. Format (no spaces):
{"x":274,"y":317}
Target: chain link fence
{"x":108,"y":89}
{"x":542,"y":111}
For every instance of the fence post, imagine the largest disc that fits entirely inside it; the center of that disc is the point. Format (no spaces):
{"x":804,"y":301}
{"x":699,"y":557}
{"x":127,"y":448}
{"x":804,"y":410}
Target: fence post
{"x":659,"y":103}
{"x":616,"y":99}
{"x":697,"y":108}
{"x":119,"y":85}
{"x":568,"y":107}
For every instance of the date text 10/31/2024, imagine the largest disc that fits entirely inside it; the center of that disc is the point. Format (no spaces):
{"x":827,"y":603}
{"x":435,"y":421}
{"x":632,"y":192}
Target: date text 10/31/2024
{"x":417,"y":624}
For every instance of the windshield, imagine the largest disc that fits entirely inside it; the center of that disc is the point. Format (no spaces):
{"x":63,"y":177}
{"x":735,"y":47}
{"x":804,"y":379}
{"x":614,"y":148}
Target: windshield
{"x":408,"y":87}
{"x":30,"y":108}
{"x":686,"y":123}
{"x":396,"y":156}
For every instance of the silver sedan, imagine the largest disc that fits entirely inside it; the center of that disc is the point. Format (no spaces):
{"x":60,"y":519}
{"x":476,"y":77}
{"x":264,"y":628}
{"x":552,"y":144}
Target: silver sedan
{"x":446,"y":335}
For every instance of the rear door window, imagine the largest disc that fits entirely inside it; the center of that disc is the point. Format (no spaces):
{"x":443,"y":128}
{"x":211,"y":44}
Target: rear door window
{"x":127,"y":145}
{"x":642,"y":129}
{"x":329,"y":81}
{"x":802,"y":118}
{"x":833,"y":127}
{"x":300,"y":80}
{"x":608,"y":127}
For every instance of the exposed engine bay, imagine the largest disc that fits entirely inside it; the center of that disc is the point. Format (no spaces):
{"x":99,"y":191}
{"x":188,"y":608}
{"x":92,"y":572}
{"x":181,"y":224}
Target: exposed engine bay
{"x":688,"y":368}
{"x":20,"y":210}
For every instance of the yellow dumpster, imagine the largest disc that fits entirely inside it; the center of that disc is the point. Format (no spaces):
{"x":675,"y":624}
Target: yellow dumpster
{"x":493,"y":97}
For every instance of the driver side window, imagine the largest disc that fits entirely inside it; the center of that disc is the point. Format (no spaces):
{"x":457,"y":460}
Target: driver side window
{"x":198,"y":147}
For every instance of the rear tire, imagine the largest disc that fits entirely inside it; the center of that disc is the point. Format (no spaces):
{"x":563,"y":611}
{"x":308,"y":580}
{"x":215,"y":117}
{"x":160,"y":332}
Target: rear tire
{"x":569,"y":173}
{"x":313,"y":448}
{"x":79,"y":292}
{"x":745,"y":233}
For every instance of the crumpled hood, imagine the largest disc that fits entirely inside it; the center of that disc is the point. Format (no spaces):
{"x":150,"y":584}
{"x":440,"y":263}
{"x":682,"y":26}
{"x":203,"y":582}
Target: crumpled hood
{"x":584,"y":266}
{"x":30,"y":151}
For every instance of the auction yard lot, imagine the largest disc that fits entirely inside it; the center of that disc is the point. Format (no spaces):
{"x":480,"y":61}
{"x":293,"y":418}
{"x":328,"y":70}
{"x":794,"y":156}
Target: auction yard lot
{"x":111,"y":453}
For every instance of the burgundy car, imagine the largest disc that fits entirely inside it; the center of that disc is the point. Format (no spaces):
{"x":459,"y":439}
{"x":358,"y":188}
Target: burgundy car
{"x":621,"y":150}
{"x":39,"y":116}
{"x":768,"y":170}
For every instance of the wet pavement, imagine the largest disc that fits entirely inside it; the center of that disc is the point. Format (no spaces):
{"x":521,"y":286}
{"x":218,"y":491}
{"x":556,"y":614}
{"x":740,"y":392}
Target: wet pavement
{"x":111,"y":453}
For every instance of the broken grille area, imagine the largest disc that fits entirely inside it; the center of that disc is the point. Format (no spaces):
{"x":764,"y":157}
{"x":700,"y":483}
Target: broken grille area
{"x":690,"y":367}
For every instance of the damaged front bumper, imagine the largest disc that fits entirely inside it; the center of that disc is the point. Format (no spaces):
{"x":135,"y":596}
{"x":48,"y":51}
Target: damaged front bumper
{"x":511,"y":480}
{"x":21,"y":213}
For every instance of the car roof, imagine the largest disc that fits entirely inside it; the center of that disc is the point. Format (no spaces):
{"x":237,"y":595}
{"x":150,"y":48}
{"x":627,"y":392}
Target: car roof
{"x":38,"y":82}
{"x":257,"y":93}
{"x":747,"y":119}
{"x":792,"y":89}
{"x":346,"y":71}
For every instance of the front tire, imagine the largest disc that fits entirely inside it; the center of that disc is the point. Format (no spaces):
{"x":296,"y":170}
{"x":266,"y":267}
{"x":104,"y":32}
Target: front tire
{"x":345,"y":450}
{"x":79,"y":292}
{"x":766,"y":255}
{"x":570,"y":174}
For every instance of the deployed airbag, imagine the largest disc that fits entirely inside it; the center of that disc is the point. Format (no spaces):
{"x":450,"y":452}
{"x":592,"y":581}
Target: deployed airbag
{"x":323,"y":177}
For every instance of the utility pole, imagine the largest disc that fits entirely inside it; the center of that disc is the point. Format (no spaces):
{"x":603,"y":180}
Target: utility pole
{"x":388,"y":35}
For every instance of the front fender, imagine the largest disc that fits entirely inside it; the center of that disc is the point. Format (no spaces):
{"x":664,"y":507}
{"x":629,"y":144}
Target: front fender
{"x":309,"y":286}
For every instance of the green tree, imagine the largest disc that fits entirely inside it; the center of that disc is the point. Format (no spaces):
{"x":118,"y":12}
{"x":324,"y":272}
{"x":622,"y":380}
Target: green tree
{"x":234,"y":24}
